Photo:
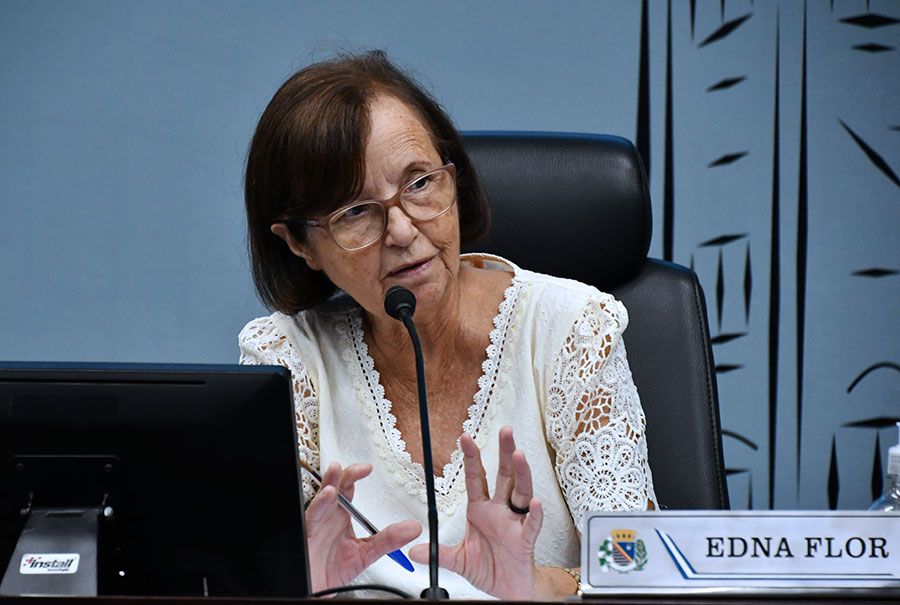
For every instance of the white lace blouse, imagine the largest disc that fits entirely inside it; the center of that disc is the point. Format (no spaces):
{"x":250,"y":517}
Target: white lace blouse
{"x":555,"y":371}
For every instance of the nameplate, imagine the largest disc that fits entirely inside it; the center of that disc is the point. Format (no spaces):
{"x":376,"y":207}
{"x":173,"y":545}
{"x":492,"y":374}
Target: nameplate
{"x":740,"y":552}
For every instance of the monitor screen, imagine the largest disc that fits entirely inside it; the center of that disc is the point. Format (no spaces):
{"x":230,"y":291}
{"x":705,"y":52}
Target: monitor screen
{"x":193,"y":469}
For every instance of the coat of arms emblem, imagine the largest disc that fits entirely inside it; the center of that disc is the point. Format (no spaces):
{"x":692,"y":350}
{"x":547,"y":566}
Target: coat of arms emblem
{"x":622,"y":552}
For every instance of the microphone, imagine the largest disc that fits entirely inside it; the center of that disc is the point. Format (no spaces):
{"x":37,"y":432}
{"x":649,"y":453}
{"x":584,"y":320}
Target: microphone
{"x":400,"y":304}
{"x":399,"y":300}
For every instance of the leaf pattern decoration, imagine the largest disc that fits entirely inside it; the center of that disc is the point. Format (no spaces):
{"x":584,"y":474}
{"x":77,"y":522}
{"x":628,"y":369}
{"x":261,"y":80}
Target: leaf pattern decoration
{"x":726,"y":83}
{"x":877,"y":477}
{"x":748,"y":284}
{"x":725,"y":368}
{"x":872,"y":47}
{"x":883,"y":364}
{"x":720,"y":288}
{"x":693,"y":16}
{"x":722,"y":240}
{"x":834,"y":484}
{"x":873,"y":155}
{"x":728,"y":158}
{"x":743,"y":439}
{"x":725,"y":30}
{"x":875,"y":272}
{"x":727,"y":337}
{"x":870,"y":20}
{"x":880,"y":422}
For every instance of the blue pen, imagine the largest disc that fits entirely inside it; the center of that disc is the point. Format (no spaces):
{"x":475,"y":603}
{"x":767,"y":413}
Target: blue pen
{"x":397,"y":556}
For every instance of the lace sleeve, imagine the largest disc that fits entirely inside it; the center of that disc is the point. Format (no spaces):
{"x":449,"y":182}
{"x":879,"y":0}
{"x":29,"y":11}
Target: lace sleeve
{"x":594,"y":418}
{"x":262,"y":344}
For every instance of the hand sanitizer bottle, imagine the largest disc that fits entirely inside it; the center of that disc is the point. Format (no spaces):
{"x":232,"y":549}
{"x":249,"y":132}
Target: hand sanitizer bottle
{"x":890,"y":499}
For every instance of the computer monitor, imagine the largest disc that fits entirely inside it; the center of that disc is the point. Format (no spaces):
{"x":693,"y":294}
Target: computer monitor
{"x":189,"y":473}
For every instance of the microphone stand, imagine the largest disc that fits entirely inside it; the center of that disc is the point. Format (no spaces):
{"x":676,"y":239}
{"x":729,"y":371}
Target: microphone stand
{"x":400,"y":304}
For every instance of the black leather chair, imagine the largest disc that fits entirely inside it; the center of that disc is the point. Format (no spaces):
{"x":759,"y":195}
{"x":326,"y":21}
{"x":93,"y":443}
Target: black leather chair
{"x":578,"y":206}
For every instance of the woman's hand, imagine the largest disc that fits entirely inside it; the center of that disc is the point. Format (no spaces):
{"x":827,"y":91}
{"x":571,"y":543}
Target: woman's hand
{"x":336,"y":555}
{"x":497,"y":553}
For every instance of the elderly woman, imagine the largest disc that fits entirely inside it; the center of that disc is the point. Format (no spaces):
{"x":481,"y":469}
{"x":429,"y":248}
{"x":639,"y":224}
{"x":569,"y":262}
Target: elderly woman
{"x":356,"y":182}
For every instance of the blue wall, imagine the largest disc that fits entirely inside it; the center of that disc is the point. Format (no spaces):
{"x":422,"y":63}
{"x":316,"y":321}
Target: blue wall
{"x":125,"y":125}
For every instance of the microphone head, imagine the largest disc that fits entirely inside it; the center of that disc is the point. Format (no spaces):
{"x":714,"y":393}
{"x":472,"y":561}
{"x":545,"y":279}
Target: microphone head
{"x":397,"y":299}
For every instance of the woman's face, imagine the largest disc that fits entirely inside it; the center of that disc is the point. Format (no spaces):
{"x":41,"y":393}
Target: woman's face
{"x":423,"y":256}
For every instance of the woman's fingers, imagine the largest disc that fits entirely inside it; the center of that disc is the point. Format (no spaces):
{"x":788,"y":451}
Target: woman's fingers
{"x":350,"y":476}
{"x":332,"y":474}
{"x":389,"y":539}
{"x":533,"y":521}
{"x":324,"y":504}
{"x":522,"y":490}
{"x":448,"y":556}
{"x":476,"y":481}
{"x":343,"y":479}
{"x":505,"y":478}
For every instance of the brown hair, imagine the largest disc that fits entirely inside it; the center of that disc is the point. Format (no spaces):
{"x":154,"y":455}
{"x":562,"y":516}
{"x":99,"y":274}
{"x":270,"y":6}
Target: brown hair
{"x":307,"y":158}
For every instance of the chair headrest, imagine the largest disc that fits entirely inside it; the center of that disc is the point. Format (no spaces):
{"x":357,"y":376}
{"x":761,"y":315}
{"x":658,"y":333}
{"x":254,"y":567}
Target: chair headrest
{"x":571,"y":205}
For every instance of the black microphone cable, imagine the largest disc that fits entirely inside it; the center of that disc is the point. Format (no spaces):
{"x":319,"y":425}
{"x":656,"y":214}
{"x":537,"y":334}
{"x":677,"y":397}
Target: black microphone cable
{"x":378,"y":587}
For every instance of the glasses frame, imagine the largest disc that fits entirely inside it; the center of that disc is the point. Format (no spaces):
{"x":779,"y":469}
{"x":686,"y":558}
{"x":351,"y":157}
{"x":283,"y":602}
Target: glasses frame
{"x":326,"y":221}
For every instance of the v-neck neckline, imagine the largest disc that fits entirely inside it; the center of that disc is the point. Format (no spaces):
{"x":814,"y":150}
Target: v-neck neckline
{"x":390,"y":443}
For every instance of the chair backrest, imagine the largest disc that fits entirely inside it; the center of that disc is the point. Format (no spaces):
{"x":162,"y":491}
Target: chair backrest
{"x":578,"y":206}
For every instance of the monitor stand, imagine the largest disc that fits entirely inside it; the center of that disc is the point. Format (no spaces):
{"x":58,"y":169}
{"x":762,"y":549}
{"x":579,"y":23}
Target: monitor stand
{"x":56,"y":554}
{"x":63,"y":501}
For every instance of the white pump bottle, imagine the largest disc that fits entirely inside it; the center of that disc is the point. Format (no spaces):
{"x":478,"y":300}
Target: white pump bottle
{"x":890,"y":499}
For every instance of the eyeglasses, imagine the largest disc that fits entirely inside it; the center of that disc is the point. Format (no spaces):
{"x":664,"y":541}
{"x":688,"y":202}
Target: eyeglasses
{"x":361,"y":224}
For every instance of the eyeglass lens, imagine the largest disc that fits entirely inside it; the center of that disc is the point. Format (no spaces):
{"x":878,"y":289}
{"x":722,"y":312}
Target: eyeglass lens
{"x":422,"y":199}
